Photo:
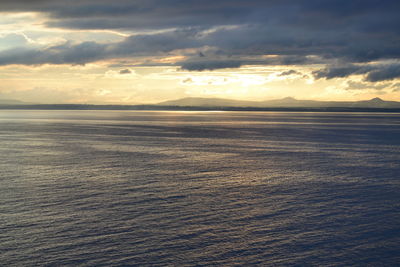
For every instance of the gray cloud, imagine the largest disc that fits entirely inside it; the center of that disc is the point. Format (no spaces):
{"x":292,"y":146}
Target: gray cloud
{"x":210,"y":65}
{"x":341,"y":71}
{"x":290,"y":72}
{"x":148,"y":45}
{"x":349,"y":31}
{"x":373,"y":72}
{"x":60,"y":54}
{"x":81,"y":53}
{"x":384,"y":74}
{"x":125,"y":71}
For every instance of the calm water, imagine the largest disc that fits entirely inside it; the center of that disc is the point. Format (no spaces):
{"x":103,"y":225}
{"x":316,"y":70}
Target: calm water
{"x":118,"y":188}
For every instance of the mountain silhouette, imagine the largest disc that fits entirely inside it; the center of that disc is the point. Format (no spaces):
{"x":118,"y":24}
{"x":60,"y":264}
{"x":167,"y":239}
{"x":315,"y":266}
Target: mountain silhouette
{"x":11,"y":102}
{"x":287,"y":102}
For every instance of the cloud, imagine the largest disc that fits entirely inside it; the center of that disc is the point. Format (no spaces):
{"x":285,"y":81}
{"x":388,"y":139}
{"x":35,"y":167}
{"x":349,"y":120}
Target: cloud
{"x":210,"y":65}
{"x":373,"y":72}
{"x":66,"y":53}
{"x":396,"y":87}
{"x":146,"y":45}
{"x":298,"y":32}
{"x":351,"y":85}
{"x":290,"y":72}
{"x":85,"y":52}
{"x":386,"y":73}
{"x":341,"y":71}
{"x":125,"y":71}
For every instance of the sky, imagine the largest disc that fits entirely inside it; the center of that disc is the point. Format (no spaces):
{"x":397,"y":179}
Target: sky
{"x":147,"y":51}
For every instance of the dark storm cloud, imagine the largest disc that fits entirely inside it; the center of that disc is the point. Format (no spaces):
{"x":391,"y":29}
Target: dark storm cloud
{"x":341,"y":71}
{"x":384,"y":74}
{"x":349,"y":31}
{"x":373,"y":73}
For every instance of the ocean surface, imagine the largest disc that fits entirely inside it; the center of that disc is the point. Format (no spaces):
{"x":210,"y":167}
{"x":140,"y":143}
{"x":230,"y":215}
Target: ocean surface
{"x":147,"y":188}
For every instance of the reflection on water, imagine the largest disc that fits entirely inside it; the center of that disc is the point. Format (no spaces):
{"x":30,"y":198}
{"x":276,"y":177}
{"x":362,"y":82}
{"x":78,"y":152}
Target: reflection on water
{"x":109,"y":188}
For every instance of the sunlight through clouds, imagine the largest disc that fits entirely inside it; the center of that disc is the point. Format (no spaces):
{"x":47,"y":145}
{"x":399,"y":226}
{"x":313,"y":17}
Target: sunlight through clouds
{"x":194,"y":50}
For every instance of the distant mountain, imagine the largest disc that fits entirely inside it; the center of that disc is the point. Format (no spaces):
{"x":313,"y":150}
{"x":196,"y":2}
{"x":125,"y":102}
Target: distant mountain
{"x":11,"y":102}
{"x":196,"y":103}
{"x":208,"y":102}
{"x":287,"y":102}
{"x":377,"y":103}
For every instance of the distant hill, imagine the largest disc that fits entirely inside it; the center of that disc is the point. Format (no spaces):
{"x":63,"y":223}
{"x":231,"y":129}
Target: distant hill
{"x":11,"y":102}
{"x":287,"y":102}
{"x":208,"y":102}
{"x":195,"y":103}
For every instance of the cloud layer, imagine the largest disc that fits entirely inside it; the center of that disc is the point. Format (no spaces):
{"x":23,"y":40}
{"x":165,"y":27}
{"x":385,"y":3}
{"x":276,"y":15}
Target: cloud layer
{"x":224,"y":33}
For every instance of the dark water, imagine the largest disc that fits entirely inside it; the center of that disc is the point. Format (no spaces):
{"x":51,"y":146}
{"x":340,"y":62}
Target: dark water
{"x":121,"y":188}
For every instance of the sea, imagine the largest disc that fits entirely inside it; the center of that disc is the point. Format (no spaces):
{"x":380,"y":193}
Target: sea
{"x":189,"y":188}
